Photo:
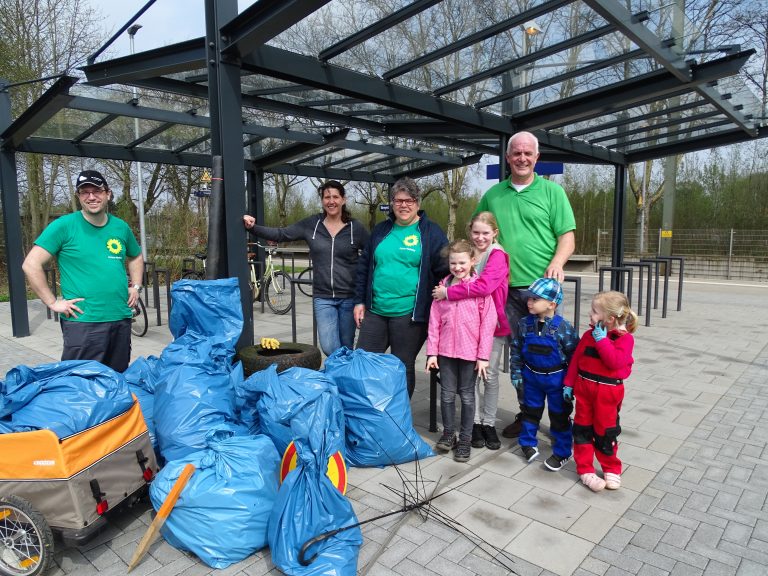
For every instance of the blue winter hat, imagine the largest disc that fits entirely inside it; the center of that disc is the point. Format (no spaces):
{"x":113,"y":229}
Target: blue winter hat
{"x":546,"y":288}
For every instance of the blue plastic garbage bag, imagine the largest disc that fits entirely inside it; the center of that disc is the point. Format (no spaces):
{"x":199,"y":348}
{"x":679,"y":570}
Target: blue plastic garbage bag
{"x":195,"y":391}
{"x":209,"y":308}
{"x":195,"y":394}
{"x":377,"y":410}
{"x":223,"y":511}
{"x":279,"y":397}
{"x":142,"y":376}
{"x":308,"y":504}
{"x":65,"y":397}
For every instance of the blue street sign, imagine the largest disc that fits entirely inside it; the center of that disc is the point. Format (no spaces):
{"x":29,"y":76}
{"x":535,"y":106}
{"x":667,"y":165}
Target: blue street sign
{"x":383,"y":207}
{"x":542,"y":169}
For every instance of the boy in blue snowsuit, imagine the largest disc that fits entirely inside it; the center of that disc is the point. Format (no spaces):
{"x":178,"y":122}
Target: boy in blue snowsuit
{"x":539,"y":356}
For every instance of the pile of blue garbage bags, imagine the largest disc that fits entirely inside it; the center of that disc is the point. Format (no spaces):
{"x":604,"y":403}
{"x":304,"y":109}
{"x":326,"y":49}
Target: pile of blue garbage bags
{"x":199,"y":409}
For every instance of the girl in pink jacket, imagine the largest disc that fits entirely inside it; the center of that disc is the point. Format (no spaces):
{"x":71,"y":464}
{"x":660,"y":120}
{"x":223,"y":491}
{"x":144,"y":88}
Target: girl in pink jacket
{"x":493,"y":267}
{"x":459,"y":343}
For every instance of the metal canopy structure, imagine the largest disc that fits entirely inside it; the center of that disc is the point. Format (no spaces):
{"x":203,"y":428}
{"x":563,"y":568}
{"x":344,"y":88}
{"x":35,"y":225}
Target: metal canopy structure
{"x":372,"y":98}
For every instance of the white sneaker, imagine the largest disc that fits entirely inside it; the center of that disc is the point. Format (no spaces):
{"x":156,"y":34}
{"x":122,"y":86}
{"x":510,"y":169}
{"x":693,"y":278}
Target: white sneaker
{"x":593,"y":481}
{"x":612,"y":481}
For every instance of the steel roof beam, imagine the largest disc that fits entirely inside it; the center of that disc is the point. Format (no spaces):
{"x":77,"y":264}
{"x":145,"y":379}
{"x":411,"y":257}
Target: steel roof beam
{"x":288,"y":153}
{"x":195,"y":90}
{"x":109,"y":118}
{"x":652,"y":86}
{"x":676,"y":133}
{"x":615,"y":13}
{"x":346,"y":159}
{"x":307,"y":70}
{"x":578,"y":147}
{"x":525,"y":59}
{"x":106,"y":107}
{"x":675,"y":63}
{"x":262,"y":21}
{"x":193,"y":143}
{"x":392,"y":151}
{"x":633,"y":119}
{"x":41,"y":110}
{"x":151,"y":134}
{"x":703,"y":142}
{"x":660,"y":125}
{"x":376,"y":28}
{"x":594,"y":67}
{"x":331,"y":173}
{"x":479,"y":36}
{"x":434,"y":168}
{"x":173,"y":59}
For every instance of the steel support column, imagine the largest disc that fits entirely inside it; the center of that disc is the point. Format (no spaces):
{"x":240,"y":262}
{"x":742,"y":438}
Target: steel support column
{"x":227,"y":141}
{"x":14,"y":250}
{"x":617,"y":246}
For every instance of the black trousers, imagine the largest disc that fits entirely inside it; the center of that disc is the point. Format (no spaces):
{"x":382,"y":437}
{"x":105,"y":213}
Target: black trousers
{"x":399,"y":333}
{"x":106,"y":342}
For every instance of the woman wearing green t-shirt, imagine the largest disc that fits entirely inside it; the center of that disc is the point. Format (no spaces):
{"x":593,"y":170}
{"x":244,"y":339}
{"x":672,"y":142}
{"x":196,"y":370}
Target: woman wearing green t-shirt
{"x":395,"y":273}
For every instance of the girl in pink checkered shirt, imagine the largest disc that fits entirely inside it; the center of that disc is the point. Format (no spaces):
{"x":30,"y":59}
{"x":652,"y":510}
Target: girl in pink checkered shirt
{"x":459,"y":342}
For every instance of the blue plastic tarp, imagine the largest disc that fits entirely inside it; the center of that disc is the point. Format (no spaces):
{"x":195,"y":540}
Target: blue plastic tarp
{"x":377,"y":410}
{"x":66,"y":397}
{"x":308,"y":504}
{"x":222,"y":513}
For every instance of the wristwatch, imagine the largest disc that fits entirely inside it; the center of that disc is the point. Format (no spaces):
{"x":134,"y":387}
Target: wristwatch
{"x":137,"y":286}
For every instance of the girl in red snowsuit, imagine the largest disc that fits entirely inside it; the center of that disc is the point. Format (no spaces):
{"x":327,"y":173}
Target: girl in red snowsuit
{"x":596,"y":373}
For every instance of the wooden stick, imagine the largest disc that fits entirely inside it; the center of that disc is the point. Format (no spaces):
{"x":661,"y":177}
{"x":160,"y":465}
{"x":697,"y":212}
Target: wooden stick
{"x":154,"y":529}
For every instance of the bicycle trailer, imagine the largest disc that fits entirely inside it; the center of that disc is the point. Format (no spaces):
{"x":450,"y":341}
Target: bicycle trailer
{"x":70,"y":481}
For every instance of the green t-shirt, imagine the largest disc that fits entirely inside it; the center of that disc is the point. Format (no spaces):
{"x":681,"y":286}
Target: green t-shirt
{"x":530,"y":222}
{"x":396,"y":271}
{"x":92,"y":264}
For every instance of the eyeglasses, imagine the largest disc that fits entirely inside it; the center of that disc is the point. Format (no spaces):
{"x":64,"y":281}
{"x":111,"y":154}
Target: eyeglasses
{"x":404,"y":202}
{"x":96,"y":193}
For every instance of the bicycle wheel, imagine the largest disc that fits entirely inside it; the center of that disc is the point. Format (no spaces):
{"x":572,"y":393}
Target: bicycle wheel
{"x":306,"y":289}
{"x":278,"y":292}
{"x":139,"y":321}
{"x":192,"y":275}
{"x":26,"y":541}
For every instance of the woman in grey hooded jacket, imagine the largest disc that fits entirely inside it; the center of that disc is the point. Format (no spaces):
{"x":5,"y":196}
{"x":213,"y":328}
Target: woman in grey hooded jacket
{"x":335,"y":240}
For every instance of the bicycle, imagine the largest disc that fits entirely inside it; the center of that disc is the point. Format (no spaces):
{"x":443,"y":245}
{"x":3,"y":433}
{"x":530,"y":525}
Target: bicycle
{"x":196,"y":274}
{"x":139,"y":320}
{"x":306,"y":276}
{"x":276,"y":284}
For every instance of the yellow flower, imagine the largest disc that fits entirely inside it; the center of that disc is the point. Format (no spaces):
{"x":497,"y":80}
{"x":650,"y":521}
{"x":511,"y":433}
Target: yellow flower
{"x":114,"y":246}
{"x":411,"y":240}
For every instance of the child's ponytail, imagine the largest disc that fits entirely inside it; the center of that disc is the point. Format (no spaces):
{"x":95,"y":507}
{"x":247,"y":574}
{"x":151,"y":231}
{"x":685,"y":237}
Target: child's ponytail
{"x":616,"y":304}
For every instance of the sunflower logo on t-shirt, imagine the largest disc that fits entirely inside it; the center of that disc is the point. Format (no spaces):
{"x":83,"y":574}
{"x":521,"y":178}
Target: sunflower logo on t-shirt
{"x":411,"y":240}
{"x":114,"y":246}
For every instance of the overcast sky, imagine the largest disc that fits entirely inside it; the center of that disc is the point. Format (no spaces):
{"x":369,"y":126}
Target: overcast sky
{"x":165,"y":22}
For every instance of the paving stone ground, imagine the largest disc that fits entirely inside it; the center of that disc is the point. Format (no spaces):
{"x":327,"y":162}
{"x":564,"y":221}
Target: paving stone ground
{"x":694,"y":486}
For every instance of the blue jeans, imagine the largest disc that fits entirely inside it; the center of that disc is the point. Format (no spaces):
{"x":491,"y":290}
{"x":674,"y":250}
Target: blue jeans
{"x":335,"y":323}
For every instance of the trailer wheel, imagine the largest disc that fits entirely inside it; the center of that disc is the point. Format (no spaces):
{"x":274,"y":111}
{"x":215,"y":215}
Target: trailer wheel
{"x":289,"y":355}
{"x":26,"y":541}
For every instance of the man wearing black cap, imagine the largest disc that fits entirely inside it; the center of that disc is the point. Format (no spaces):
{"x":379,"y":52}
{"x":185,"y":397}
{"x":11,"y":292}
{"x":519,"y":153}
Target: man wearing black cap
{"x":92,"y":248}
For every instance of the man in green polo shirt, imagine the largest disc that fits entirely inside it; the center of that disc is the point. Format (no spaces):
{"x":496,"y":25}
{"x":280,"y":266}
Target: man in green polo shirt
{"x":536,"y":225}
{"x":92,"y":248}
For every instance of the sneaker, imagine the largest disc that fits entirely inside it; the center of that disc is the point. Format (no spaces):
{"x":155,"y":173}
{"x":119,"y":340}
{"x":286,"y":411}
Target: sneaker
{"x":612,"y":481}
{"x":446,"y":443}
{"x":593,"y":481}
{"x":463,"y":450}
{"x":491,"y":439}
{"x":513,"y":430}
{"x":530,"y":453}
{"x":555,"y":462}
{"x":478,"y":436}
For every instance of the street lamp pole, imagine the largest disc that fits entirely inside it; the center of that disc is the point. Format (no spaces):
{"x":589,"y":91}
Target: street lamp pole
{"x":139,"y":184}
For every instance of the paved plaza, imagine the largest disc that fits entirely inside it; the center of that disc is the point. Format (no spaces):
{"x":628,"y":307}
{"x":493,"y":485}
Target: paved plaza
{"x":694,"y":487}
